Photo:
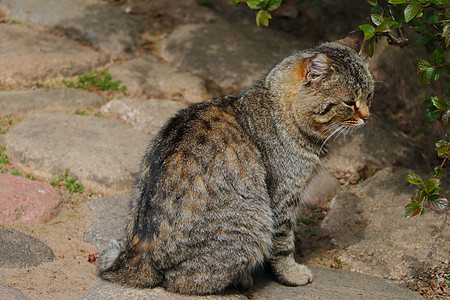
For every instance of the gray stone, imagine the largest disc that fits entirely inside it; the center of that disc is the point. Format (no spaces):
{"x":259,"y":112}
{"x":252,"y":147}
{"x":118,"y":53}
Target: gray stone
{"x":322,"y":188}
{"x":377,"y":239}
{"x":28,"y":56}
{"x":151,"y":77}
{"x":336,"y":285}
{"x":108,"y":220}
{"x":108,"y":291}
{"x":145,"y":115}
{"x":95,"y":22}
{"x":102,"y":154}
{"x":19,"y":250}
{"x":377,"y":144}
{"x":23,"y":101}
{"x":231,"y":56}
{"x":10,"y":293}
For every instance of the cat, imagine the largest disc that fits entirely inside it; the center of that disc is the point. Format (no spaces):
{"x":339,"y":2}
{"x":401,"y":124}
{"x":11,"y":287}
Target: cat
{"x":219,"y":184}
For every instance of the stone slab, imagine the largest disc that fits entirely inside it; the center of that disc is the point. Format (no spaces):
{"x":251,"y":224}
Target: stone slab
{"x":95,"y":22}
{"x":110,"y":215}
{"x":231,"y":56}
{"x":29,"y":56}
{"x":102,"y":154}
{"x":147,"y":116}
{"x":149,"y":76}
{"x":19,"y":250}
{"x":28,"y":201}
{"x":10,"y":293}
{"x":377,"y":239}
{"x":24,"y":101}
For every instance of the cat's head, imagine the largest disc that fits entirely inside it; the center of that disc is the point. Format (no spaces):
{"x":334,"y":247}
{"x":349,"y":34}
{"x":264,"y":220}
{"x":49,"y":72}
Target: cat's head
{"x":327,"y":89}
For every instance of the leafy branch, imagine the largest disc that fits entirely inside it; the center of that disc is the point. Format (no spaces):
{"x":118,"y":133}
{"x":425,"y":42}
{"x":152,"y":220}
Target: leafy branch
{"x":429,"y":19}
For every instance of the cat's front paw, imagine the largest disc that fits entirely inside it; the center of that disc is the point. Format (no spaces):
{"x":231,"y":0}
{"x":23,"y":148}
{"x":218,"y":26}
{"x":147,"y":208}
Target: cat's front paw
{"x":290,"y":273}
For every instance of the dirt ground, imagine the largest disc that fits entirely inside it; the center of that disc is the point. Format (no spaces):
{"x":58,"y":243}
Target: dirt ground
{"x":70,"y":274}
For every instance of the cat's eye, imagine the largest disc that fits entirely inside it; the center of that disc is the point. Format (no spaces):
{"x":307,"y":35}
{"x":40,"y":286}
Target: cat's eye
{"x":351,"y":102}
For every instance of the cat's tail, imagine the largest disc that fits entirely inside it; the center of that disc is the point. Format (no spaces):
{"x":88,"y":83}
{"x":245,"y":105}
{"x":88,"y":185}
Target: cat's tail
{"x":124,"y":265}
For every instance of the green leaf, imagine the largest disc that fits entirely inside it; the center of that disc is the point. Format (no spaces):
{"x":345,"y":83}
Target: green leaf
{"x":376,"y":19}
{"x":439,"y":104}
{"x":255,"y":4}
{"x":439,"y":172}
{"x":431,"y":116}
{"x":372,"y":2}
{"x":447,"y":82}
{"x":421,"y":64}
{"x":414,"y":179}
{"x":427,"y":75}
{"x":273,"y":4}
{"x":438,"y":202}
{"x":411,"y":11}
{"x":441,"y":143}
{"x":445,"y":119}
{"x":411,"y":210}
{"x":262,"y":18}
{"x":382,"y":28}
{"x":368,"y":30}
{"x":442,"y":149}
{"x":446,"y":34}
{"x":432,"y":186}
{"x":397,"y":1}
{"x":438,"y":56}
{"x":369,"y":47}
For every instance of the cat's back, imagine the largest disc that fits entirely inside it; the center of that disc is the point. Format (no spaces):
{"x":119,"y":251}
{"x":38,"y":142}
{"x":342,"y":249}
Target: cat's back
{"x":200,"y":152}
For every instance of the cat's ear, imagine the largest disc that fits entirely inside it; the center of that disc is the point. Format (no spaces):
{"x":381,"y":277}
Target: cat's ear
{"x":354,"y":40}
{"x":316,"y":66}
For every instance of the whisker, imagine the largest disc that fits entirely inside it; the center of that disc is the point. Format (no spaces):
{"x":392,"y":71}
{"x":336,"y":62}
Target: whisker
{"x":325,"y":130}
{"x":335,"y":131}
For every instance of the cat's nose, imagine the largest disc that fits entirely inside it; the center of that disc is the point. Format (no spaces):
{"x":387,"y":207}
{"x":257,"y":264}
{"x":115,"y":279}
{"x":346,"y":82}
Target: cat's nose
{"x":365,"y":117}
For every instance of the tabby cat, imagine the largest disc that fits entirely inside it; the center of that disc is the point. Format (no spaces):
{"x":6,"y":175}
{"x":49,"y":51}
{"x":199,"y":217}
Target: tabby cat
{"x":219,"y":184}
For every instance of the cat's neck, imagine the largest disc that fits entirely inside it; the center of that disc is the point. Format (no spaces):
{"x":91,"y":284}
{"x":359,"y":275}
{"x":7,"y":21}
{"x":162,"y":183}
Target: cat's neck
{"x":271,"y":125}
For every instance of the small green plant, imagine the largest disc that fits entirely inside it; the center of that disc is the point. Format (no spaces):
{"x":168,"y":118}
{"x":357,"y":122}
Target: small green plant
{"x":29,"y":176}
{"x":427,"y":193}
{"x":5,"y":122}
{"x":96,"y":81}
{"x":16,"y":173}
{"x":70,"y":184}
{"x":81,"y":112}
{"x":262,"y":7}
{"x":3,"y":157}
{"x":429,"y":19}
{"x":3,"y":170}
{"x":16,"y":22}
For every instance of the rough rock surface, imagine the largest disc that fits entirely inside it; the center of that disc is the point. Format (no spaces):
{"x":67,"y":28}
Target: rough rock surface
{"x":327,"y":284}
{"x":19,"y":250}
{"x":9,"y":293}
{"x":232,"y":57}
{"x":147,"y":116}
{"x":108,"y":291}
{"x":377,"y":144}
{"x":28,"y":56}
{"x":108,"y":221}
{"x":26,"y":200}
{"x":149,"y":76}
{"x":23,"y":101}
{"x":102,"y":154}
{"x":91,"y":21}
{"x":377,"y":240}
{"x":333,"y":284}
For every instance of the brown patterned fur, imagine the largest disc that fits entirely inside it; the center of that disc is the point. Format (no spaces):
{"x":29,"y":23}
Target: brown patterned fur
{"x":220,"y":183}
